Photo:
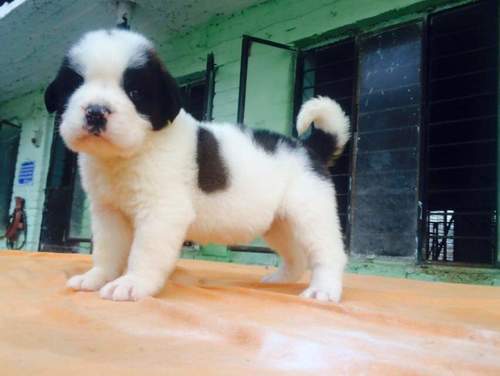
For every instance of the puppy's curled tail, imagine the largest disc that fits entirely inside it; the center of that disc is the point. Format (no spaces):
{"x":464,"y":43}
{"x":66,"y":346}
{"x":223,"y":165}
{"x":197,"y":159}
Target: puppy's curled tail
{"x":331,"y":127}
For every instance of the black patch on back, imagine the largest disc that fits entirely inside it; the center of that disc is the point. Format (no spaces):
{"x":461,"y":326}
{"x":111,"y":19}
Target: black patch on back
{"x":212,"y":172}
{"x":317,"y":164}
{"x":269,"y":140}
{"x":153,"y":91}
{"x":64,"y":85}
{"x":322,"y":143}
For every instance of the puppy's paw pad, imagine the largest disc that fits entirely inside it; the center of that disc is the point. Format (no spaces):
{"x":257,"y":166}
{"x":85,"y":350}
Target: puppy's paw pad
{"x":322,"y":294}
{"x":130,"y":288}
{"x":92,"y":280}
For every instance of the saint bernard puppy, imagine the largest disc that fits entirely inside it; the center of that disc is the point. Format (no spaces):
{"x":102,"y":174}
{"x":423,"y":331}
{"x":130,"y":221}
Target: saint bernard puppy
{"x":156,"y":176}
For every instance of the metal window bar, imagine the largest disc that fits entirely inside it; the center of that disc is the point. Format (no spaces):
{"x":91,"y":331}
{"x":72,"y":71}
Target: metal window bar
{"x":461,"y":75}
{"x":209,"y":88}
{"x":465,"y":52}
{"x":461,"y":120}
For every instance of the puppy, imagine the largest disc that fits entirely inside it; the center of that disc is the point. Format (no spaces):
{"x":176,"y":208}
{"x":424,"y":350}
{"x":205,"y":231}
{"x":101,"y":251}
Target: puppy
{"x":155,"y":176}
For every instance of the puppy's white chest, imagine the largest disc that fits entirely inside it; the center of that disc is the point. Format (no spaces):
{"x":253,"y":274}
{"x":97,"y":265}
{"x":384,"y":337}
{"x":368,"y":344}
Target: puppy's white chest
{"x":116,"y":185}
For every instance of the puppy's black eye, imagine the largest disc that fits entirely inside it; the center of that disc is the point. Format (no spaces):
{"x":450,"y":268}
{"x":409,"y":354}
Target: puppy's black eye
{"x":134,"y":94}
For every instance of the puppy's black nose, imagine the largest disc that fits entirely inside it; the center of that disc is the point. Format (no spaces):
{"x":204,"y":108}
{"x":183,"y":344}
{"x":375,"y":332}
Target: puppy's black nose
{"x":96,"y":118}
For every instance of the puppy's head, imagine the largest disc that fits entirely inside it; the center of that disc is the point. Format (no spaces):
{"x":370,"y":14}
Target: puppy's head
{"x":111,"y":92}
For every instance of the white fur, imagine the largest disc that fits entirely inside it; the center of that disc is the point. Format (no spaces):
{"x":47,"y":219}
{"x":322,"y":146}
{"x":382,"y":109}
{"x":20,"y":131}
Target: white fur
{"x":146,"y":201}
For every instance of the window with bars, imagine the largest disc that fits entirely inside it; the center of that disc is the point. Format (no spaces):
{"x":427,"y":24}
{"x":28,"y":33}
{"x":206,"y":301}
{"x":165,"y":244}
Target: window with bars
{"x":422,"y":98}
{"x":197,"y":91}
{"x":376,"y":80}
{"x":460,"y":148}
{"x":331,"y":71}
{"x":193,"y":96}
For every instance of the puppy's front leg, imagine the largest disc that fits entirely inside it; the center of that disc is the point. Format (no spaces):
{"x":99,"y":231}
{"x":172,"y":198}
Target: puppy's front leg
{"x":157,"y":242}
{"x":112,"y":237}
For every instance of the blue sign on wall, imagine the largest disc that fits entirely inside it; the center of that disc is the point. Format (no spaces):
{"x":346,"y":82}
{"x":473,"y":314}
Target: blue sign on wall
{"x":26,"y":173}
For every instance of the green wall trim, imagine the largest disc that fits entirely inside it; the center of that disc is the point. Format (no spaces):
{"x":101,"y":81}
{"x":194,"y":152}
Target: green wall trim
{"x":396,"y":16}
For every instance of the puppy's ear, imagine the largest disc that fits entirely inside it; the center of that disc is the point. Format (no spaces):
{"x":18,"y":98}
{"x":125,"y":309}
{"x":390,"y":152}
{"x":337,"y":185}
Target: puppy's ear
{"x":51,"y":99}
{"x":169,"y":93}
{"x":59,"y":90}
{"x":153,"y":91}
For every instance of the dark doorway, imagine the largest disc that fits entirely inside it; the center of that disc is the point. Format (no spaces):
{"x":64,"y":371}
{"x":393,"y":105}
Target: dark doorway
{"x":54,"y":234}
{"x":9,"y":143}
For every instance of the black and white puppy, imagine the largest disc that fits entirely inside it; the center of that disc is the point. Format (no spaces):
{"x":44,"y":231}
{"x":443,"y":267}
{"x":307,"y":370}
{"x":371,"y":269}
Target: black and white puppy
{"x":155,"y":176}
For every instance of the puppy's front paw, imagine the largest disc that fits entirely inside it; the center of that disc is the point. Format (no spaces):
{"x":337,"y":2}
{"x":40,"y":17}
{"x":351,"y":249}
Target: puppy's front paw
{"x":130,"y":287}
{"x":92,"y":280}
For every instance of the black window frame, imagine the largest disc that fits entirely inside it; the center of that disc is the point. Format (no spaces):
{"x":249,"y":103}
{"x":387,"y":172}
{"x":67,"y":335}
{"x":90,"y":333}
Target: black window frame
{"x":246,"y":45}
{"x":11,"y":178}
{"x":422,"y":163}
{"x":424,"y":253}
{"x":206,"y":80}
{"x":298,"y":100}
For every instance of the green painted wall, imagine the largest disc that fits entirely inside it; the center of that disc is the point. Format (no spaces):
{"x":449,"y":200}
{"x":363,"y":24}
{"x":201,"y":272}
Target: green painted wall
{"x":295,"y":22}
{"x":286,"y":21}
{"x":270,"y":77}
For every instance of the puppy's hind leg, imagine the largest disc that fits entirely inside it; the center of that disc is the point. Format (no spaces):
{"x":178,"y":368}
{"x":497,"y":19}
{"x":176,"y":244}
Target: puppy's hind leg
{"x":293,"y":261}
{"x":312,"y":211}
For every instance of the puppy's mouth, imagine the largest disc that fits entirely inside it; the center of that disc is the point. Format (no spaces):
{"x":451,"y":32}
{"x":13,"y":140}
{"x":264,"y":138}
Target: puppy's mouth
{"x":95,"y":132}
{"x":98,"y":145}
{"x":93,"y":137}
{"x":91,"y":133}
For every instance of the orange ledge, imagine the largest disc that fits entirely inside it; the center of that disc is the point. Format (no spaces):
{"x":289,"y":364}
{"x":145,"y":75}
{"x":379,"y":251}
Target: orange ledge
{"x":215,"y":318}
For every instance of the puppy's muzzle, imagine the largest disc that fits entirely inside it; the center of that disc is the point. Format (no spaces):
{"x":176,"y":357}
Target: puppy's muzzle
{"x":96,"y":117}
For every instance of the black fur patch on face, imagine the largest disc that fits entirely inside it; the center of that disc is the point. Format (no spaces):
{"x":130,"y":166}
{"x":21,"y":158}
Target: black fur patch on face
{"x":153,"y":91}
{"x":63,"y":86}
{"x":212,"y":172}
